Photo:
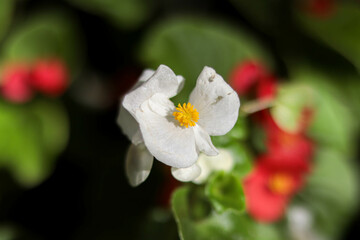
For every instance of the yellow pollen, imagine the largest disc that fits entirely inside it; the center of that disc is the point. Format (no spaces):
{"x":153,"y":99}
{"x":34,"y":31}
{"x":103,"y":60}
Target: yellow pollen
{"x":186,"y":114}
{"x":281,"y":183}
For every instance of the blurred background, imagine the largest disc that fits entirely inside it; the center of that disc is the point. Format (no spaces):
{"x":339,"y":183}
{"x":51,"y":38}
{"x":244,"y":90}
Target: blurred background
{"x":64,"y":65}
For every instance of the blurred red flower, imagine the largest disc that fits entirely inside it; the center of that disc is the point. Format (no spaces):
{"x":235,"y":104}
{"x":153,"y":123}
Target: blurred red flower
{"x":250,"y":75}
{"x":49,"y":76}
{"x":266,"y":88}
{"x":293,"y":150}
{"x":279,"y":174}
{"x":14,"y":85}
{"x":245,"y":75}
{"x":269,"y":188}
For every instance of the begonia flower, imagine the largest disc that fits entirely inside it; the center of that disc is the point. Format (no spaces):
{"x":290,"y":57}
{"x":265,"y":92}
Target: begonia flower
{"x":50,"y":76}
{"x":268,"y":190}
{"x":176,"y":135}
{"x":245,"y":75}
{"x":14,"y":83}
{"x":266,"y":88}
{"x":294,"y":150}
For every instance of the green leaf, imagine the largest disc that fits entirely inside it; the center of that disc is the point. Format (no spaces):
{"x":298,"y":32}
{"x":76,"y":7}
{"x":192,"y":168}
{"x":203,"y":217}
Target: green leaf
{"x":226,"y":226}
{"x":333,"y":185}
{"x":289,"y":104}
{"x":341,"y":31}
{"x":7,"y":232}
{"x":267,"y":15}
{"x":49,"y":34}
{"x":333,"y":124}
{"x":225,"y":192}
{"x":126,"y":14}
{"x":352,"y":91}
{"x":27,"y":146}
{"x":6,"y":11}
{"x":243,"y":159}
{"x":54,"y":125}
{"x":186,"y":45}
{"x":266,"y":232}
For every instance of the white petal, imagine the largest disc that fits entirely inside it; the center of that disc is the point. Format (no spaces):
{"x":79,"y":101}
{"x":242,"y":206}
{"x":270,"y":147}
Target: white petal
{"x":203,"y":142}
{"x":217,"y":103}
{"x":138,"y":164}
{"x":162,"y":81}
{"x":186,"y":174}
{"x":161,"y":105}
{"x":181,"y":81}
{"x":164,"y":137}
{"x":208,"y":164}
{"x":145,"y":75}
{"x":129,"y":126}
{"x":223,"y":161}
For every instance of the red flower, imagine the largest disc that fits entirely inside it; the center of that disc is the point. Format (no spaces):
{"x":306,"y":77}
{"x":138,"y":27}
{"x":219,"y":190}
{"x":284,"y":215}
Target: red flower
{"x":268,"y":189}
{"x":266,"y":88}
{"x":292,"y":150}
{"x":245,"y":75}
{"x":14,"y":85}
{"x":252,"y":75}
{"x":50,"y":77}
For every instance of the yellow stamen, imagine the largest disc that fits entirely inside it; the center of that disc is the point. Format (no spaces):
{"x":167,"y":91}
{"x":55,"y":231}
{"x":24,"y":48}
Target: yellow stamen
{"x":281,"y":183}
{"x":187,"y":115}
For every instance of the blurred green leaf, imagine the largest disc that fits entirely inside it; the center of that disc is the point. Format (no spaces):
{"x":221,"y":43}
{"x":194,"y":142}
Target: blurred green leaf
{"x":352,"y":91}
{"x":54,"y":125}
{"x":228,"y":225}
{"x":266,"y":232}
{"x":265,"y":14}
{"x":291,"y":100}
{"x":225,"y":192}
{"x":6,"y":11}
{"x":186,"y":45}
{"x":333,"y":185}
{"x":124,"y":13}
{"x":49,"y":34}
{"x":243,"y":159}
{"x":333,"y":124}
{"x":341,"y":30}
{"x":159,"y":222}
{"x":7,"y":233}
{"x":27,"y":149}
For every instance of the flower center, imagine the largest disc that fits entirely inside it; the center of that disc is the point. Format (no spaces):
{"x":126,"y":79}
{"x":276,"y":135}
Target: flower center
{"x":186,"y":114}
{"x":281,"y":183}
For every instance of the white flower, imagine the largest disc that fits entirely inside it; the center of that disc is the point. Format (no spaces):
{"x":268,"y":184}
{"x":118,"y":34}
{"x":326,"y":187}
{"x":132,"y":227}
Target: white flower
{"x":204,"y":166}
{"x":208,"y":164}
{"x":175,"y":135}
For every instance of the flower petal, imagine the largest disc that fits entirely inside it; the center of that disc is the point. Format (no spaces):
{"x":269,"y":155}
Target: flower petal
{"x":163,"y":136}
{"x":162,"y":81}
{"x":181,"y":81}
{"x":138,"y":164}
{"x":129,"y":126}
{"x":203,"y":142}
{"x":186,"y":174}
{"x":145,"y":75}
{"x":217,"y":103}
{"x":208,"y":164}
